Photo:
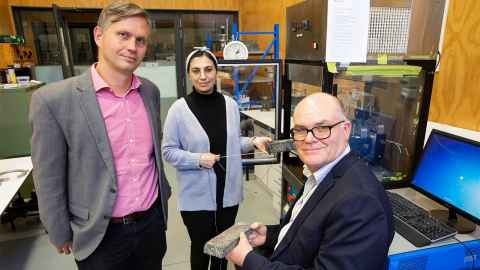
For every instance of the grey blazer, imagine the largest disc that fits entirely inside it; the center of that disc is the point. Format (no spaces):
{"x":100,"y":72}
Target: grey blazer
{"x":73,"y":167}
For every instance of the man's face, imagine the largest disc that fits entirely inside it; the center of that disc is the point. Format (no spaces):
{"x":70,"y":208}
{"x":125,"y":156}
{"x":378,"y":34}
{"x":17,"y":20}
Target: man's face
{"x":313,"y":152}
{"x":123,"y":44}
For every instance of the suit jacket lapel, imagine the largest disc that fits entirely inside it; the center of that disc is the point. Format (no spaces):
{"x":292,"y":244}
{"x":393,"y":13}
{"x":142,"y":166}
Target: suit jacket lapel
{"x":314,"y":200}
{"x":152,"y":112}
{"x":94,"y":119}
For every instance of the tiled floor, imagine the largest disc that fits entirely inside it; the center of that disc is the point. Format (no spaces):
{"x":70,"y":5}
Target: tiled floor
{"x":32,"y":250}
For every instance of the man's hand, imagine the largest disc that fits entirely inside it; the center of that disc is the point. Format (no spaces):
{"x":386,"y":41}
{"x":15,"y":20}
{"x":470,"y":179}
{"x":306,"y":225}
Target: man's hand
{"x":258,"y":236}
{"x":261,"y":143}
{"x":208,"y":159}
{"x":65,"y":248}
{"x":238,"y":254}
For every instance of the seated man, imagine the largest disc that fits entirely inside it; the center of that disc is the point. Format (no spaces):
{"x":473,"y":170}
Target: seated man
{"x":342,"y":218}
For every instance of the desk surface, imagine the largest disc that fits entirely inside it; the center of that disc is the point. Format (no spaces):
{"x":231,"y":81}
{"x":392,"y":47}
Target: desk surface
{"x":9,"y":188}
{"x":400,"y":244}
{"x":265,"y":117}
{"x":12,"y":88}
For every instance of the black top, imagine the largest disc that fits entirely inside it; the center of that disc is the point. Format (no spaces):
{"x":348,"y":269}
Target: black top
{"x":210,"y":111}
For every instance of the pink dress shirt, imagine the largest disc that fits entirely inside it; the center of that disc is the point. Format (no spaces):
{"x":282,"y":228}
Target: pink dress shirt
{"x":130,"y":135}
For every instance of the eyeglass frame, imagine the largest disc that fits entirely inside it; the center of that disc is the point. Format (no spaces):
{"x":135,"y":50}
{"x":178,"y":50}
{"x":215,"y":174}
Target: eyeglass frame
{"x":310,"y":130}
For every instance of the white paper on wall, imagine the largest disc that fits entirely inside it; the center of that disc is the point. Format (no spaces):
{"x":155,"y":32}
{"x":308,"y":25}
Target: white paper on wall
{"x":347,"y":30}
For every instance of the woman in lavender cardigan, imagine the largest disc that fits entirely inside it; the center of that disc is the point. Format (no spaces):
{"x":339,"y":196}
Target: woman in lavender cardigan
{"x":201,"y":139}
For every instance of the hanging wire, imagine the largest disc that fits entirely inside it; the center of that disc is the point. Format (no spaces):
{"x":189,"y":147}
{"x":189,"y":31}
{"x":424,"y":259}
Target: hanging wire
{"x":240,"y":155}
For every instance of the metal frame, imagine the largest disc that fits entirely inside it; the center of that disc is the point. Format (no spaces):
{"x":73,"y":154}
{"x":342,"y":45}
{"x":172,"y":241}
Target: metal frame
{"x":63,"y":37}
{"x":327,"y":87}
{"x":275,"y":42}
{"x":428,"y":67}
{"x":179,"y":43}
{"x":179,"y":54}
{"x":277,"y":96}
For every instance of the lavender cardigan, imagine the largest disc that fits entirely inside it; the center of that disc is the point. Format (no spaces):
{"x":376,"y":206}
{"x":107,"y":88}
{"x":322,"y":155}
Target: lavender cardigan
{"x":184,"y":140}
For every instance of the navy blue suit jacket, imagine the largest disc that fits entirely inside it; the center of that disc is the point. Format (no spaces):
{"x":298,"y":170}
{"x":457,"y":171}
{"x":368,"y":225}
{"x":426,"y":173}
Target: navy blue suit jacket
{"x":346,"y":224}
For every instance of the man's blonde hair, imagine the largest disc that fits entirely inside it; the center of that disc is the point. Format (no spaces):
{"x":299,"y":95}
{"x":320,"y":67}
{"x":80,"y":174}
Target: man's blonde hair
{"x":119,"y":10}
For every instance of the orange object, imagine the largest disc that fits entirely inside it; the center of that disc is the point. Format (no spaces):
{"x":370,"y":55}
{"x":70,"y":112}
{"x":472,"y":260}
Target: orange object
{"x":15,"y":54}
{"x":7,"y":55}
{"x":218,"y":54}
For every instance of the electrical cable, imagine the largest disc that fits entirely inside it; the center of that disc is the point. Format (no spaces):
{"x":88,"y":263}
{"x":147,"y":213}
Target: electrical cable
{"x":240,"y":155}
{"x":439,"y":57}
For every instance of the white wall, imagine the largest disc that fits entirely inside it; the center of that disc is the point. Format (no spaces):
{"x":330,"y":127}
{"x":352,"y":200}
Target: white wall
{"x":48,"y":73}
{"x":164,"y":76}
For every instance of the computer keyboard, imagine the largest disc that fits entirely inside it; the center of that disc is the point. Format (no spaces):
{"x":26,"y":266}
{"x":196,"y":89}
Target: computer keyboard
{"x":416,"y":224}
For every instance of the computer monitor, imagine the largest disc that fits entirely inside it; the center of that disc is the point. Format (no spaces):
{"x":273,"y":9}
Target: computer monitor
{"x":449,"y":173}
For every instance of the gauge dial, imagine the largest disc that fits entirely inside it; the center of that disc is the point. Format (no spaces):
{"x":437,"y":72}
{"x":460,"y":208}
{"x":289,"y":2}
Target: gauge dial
{"x":235,"y":50}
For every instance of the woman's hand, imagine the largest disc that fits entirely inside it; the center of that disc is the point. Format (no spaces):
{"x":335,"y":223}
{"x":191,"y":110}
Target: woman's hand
{"x":261,"y":143}
{"x":207,"y":160}
{"x":66,"y":248}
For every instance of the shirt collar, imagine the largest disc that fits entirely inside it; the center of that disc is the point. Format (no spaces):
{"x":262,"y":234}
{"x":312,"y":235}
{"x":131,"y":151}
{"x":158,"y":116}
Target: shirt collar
{"x":100,"y":84}
{"x":322,"y":172}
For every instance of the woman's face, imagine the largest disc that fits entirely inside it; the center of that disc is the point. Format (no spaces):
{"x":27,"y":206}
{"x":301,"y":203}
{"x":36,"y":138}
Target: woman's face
{"x":203,"y":74}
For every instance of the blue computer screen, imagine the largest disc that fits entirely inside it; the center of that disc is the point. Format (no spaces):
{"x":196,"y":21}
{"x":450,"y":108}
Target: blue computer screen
{"x":450,"y":170}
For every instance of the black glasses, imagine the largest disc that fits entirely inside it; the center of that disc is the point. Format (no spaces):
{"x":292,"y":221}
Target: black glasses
{"x":320,"y":132}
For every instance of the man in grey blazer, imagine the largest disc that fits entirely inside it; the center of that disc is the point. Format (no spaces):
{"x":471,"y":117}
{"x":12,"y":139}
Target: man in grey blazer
{"x":96,"y":153}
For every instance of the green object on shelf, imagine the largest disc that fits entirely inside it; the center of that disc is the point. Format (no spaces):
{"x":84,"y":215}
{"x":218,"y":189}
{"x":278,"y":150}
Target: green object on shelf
{"x":15,"y":129}
{"x":382,"y":59}
{"x":398,"y":176}
{"x":12,"y":39}
{"x":384,"y":70}
{"x":332,"y":67}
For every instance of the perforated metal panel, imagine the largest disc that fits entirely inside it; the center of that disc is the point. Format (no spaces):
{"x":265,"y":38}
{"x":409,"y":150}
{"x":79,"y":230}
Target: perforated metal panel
{"x":400,"y":27}
{"x":388,"y":30}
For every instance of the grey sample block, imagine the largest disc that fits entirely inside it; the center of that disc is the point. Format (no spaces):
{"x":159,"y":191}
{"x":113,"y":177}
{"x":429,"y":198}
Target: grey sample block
{"x":281,"y":146}
{"x":222,"y":244}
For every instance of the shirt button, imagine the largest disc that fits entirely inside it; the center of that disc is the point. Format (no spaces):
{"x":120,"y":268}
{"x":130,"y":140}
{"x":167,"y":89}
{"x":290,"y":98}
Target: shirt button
{"x":132,"y":160}
{"x":128,"y":120}
{"x":131,"y":140}
{"x":134,"y":179}
{"x":136,"y":199}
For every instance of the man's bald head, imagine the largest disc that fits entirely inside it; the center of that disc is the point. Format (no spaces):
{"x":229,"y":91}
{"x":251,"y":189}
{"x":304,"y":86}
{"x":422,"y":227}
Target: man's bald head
{"x":322,"y":101}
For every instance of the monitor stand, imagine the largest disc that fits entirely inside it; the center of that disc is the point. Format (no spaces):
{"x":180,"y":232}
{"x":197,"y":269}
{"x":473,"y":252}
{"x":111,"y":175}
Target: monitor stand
{"x":461,"y":224}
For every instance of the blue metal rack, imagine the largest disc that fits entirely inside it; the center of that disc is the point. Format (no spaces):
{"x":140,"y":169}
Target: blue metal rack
{"x":276,"y":55}
{"x":275,"y":42}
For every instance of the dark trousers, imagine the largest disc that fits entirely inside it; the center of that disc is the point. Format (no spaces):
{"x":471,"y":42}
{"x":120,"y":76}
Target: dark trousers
{"x":203,"y":226}
{"x":139,"y":245}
